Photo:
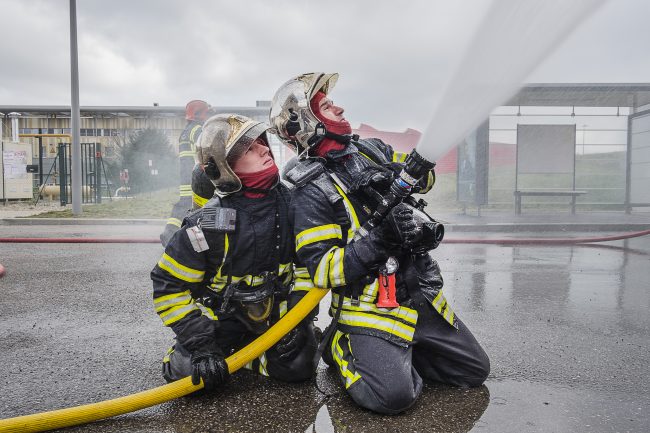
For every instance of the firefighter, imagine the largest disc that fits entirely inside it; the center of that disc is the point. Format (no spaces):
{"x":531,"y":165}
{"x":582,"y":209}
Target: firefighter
{"x":226,"y":276}
{"x":196,"y":112}
{"x":382,"y":353}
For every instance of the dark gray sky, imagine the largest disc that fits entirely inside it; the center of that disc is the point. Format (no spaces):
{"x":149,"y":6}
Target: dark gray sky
{"x":393,"y":57}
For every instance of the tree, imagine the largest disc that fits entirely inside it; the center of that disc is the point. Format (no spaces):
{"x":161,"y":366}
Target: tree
{"x":136,"y":153}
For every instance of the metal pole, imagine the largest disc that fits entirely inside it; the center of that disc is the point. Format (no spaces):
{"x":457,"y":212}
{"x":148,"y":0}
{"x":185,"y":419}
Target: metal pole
{"x":40,"y":160}
{"x":74,"y":113}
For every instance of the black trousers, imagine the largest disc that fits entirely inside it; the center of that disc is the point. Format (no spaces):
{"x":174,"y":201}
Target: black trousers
{"x":233,"y":336}
{"x":387,"y":378}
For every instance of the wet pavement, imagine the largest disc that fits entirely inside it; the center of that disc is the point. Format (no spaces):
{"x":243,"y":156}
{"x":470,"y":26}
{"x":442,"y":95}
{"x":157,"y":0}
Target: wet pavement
{"x":566,"y":328}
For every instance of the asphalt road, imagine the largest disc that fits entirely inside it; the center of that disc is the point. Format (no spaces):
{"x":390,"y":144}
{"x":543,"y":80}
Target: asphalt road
{"x":566,"y":329}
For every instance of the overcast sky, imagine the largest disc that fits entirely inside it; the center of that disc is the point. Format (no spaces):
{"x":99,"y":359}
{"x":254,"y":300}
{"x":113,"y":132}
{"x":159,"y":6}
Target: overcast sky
{"x":393,"y":57}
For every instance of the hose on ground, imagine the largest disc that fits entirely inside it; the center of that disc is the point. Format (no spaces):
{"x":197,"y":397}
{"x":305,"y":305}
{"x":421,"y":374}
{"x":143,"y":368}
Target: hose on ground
{"x":95,"y":411}
{"x":502,"y":241}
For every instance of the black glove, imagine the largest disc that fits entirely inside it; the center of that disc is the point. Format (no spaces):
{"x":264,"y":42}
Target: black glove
{"x":373,"y":249}
{"x":429,"y":277}
{"x":403,"y":229}
{"x":209,"y":366}
{"x":291,"y":344}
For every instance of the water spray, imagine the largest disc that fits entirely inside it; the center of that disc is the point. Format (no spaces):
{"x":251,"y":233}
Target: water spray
{"x":514,"y":37}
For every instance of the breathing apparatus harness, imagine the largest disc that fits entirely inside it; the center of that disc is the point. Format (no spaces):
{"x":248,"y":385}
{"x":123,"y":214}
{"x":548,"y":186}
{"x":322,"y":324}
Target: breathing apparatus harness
{"x":250,"y":304}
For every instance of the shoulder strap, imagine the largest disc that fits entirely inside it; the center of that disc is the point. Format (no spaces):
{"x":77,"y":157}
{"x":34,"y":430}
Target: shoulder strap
{"x":369,"y":149}
{"x":326,"y":185}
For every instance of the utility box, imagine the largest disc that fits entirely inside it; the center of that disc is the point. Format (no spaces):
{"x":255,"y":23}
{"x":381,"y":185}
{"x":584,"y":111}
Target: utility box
{"x":15,"y":181}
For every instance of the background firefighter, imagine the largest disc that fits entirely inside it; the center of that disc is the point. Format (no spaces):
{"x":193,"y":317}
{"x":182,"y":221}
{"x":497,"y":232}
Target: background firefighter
{"x":227,"y":274}
{"x":381,"y":354}
{"x":196,"y":112}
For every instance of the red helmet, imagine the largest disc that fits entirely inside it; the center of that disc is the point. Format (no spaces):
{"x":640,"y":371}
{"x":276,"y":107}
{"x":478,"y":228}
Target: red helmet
{"x":197,"y":110}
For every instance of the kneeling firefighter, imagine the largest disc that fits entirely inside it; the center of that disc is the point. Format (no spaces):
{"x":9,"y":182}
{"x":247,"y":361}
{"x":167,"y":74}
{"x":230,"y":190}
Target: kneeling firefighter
{"x":348,"y":239}
{"x":227,"y":275}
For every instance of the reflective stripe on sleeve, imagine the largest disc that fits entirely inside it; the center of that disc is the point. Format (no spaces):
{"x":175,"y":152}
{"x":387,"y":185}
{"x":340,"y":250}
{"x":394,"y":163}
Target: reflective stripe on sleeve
{"x":317,"y":234}
{"x":198,"y":200}
{"x":208,"y":312}
{"x":337,"y":276}
{"x":302,"y":280}
{"x":399,"y":156}
{"x":322,"y":277}
{"x":175,"y":314}
{"x":193,"y":133}
{"x":165,"y":302}
{"x":174,"y":221}
{"x":179,"y":271}
{"x":186,"y":154}
{"x":352,"y":214}
{"x":185,"y":190}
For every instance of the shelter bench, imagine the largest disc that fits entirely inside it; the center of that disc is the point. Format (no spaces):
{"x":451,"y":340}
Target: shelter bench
{"x":547,"y":193}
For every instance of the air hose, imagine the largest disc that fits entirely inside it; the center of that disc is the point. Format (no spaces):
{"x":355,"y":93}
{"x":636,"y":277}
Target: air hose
{"x":511,"y":241}
{"x":95,"y":411}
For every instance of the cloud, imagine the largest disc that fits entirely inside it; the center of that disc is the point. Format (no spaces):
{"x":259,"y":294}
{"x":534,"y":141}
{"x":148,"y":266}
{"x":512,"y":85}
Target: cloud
{"x":394,"y":57}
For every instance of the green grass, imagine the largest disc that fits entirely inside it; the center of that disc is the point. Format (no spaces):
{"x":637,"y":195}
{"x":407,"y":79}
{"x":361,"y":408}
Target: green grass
{"x":156,"y":205}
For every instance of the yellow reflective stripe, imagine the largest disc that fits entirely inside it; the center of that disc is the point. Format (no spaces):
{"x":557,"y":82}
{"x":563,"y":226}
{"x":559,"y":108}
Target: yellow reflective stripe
{"x":443,"y":308}
{"x":253,"y":281}
{"x":403,"y":313}
{"x":370,"y":292}
{"x":390,"y":326}
{"x":174,"y":221}
{"x":317,"y":234}
{"x":337,"y":276}
{"x":283,"y":308}
{"x":301,"y":272}
{"x":198,"y":200}
{"x":206,"y":311}
{"x":192,"y":132}
{"x":352,"y":214}
{"x":263,"y":362}
{"x":226,"y":246}
{"x":437,"y":300}
{"x":186,"y":154}
{"x":177,"y":313}
{"x":366,"y":156}
{"x":399,"y":156}
{"x":179,"y":271}
{"x":285,"y":267}
{"x":164,"y":302}
{"x":337,"y":355}
{"x":321,"y":279}
{"x":302,"y":284}
{"x":185,"y":190}
{"x":169,"y":352}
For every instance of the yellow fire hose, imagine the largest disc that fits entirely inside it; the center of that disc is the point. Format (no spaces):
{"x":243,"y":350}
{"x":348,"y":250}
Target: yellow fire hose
{"x":104,"y":409}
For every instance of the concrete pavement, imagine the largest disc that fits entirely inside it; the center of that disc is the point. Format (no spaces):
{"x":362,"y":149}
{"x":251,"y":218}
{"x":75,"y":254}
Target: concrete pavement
{"x":566,"y":329}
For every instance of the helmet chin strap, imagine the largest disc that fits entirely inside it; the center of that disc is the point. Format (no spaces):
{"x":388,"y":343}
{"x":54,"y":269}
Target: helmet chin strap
{"x":321,"y":133}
